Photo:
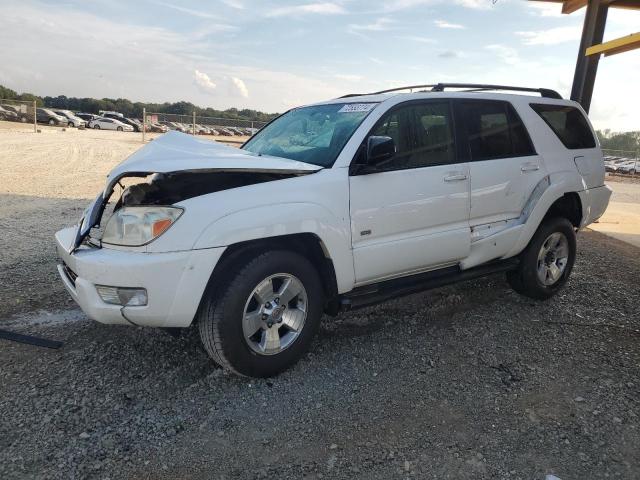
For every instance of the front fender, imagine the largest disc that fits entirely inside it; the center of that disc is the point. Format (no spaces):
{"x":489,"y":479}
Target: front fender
{"x":286,"y":219}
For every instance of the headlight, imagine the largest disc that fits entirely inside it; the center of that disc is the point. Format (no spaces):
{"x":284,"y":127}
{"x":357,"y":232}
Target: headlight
{"x":135,"y":226}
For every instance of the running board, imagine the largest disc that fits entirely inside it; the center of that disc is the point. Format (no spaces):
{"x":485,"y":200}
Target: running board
{"x":379,"y":292}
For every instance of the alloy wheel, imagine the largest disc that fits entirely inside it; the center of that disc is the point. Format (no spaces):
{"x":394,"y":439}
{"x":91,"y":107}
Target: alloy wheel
{"x":274,"y":314}
{"x":552,"y":258}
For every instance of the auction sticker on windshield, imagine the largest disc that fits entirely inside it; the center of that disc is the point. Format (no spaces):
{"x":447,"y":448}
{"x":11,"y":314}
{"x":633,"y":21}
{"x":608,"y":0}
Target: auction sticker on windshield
{"x":357,"y":107}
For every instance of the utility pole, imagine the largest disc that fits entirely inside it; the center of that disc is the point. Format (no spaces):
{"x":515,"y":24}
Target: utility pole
{"x":144,"y":122}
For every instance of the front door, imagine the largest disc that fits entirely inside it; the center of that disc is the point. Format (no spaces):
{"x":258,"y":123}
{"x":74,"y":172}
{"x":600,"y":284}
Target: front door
{"x":412,"y":213}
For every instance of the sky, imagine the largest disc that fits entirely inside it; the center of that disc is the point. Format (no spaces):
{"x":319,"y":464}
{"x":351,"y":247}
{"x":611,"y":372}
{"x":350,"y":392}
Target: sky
{"x":273,"y":55}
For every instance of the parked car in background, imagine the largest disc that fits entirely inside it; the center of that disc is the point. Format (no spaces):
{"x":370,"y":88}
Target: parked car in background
{"x":87,"y":117}
{"x":48,"y":116}
{"x":613,"y":165}
{"x":225,"y":132}
{"x":629,"y":168}
{"x":72,"y":119}
{"x":22,"y":114}
{"x":102,"y":123}
{"x":119,"y":117}
{"x":156,"y":127}
{"x":8,"y":115}
{"x":173,"y":126}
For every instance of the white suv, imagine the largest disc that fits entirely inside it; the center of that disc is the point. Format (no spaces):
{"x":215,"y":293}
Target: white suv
{"x":335,"y":206}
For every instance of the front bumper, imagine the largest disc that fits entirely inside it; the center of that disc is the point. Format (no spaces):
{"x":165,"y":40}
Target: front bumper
{"x":594,"y":203}
{"x":175,"y":281}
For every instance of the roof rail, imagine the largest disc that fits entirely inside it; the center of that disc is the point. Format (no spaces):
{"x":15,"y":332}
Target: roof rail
{"x":471,"y":87}
{"x":544,"y":92}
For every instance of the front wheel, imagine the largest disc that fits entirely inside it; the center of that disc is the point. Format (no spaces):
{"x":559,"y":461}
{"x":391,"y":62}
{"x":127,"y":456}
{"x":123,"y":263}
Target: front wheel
{"x":70,"y":125}
{"x":119,"y":129}
{"x":546,"y":263}
{"x":262,"y":319}
{"x":96,"y":127}
{"x":52,"y":121}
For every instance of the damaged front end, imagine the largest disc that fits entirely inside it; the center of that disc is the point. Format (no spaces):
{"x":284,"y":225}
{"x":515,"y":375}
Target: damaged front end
{"x":151,"y":182}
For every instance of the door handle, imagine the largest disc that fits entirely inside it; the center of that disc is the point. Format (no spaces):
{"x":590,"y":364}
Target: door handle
{"x":529,"y":167}
{"x":458,"y":177}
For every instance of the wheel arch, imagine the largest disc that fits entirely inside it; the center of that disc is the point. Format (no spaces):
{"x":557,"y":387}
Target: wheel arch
{"x":568,"y":206}
{"x":309,"y":245}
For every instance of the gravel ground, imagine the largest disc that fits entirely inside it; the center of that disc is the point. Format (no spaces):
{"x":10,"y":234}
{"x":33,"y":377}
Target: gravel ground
{"x":464,"y":382}
{"x":471,"y":381}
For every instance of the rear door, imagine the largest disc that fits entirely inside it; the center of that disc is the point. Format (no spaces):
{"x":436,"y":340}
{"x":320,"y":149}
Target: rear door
{"x":503,"y":164}
{"x":412,"y":213}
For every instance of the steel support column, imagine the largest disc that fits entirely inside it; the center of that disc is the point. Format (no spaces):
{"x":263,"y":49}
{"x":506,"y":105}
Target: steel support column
{"x":587,"y":66}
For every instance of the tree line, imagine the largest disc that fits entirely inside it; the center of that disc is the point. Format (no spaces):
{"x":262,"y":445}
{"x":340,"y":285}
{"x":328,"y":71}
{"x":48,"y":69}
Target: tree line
{"x":628,"y":141}
{"x":133,"y":109}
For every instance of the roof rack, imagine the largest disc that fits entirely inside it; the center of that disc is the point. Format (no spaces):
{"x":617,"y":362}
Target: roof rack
{"x":471,"y":87}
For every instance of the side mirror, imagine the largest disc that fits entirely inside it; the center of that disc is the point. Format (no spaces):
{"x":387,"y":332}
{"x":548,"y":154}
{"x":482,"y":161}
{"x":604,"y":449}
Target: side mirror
{"x":380,"y":149}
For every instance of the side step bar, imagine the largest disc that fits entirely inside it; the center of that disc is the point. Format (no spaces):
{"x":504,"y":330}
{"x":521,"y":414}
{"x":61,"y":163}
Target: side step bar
{"x":379,"y":292}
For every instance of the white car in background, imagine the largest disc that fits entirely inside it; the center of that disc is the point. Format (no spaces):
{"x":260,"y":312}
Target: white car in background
{"x":72,"y":119}
{"x":110,"y":124}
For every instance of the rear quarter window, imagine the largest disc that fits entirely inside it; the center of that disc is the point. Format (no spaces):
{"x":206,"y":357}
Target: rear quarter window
{"x":568,"y":123}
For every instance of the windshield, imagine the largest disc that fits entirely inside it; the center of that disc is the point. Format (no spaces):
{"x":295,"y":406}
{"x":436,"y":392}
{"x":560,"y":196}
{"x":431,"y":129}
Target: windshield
{"x":313,"y":134}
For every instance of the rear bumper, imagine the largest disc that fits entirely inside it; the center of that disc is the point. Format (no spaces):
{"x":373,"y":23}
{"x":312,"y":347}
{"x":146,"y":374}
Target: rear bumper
{"x":594,"y":203}
{"x":174,"y":281}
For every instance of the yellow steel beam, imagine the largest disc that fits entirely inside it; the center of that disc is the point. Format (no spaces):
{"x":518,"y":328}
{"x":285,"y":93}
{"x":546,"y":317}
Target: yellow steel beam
{"x":619,"y":45}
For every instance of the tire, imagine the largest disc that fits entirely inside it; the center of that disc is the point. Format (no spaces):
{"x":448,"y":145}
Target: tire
{"x":70,"y":125}
{"x":119,"y":129}
{"x":96,"y":127}
{"x":23,"y":119}
{"x":536,"y":264}
{"x":52,"y":121}
{"x":225,"y":333}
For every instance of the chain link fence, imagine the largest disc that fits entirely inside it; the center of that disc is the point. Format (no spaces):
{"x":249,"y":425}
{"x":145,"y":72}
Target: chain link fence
{"x":622,"y":162}
{"x":200,"y":125}
{"x":19,"y":111}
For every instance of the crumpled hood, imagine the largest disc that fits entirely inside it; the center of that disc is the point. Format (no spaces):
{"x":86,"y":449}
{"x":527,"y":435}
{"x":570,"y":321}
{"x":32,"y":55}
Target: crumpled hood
{"x":175,"y":151}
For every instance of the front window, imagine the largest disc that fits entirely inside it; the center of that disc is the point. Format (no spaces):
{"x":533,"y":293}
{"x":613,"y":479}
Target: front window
{"x":313,"y":134}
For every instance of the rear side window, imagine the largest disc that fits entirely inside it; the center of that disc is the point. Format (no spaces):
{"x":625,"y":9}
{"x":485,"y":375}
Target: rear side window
{"x":568,"y":123}
{"x":494,"y":130}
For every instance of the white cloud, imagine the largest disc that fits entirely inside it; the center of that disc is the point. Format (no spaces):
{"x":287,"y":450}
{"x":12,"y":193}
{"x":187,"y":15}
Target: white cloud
{"x":476,"y":4}
{"x":545,"y":9}
{"x":237,"y":4}
{"x":507,"y":54}
{"x":321,"y":8}
{"x":379,"y":25}
{"x":187,"y":11}
{"x":348,"y":78}
{"x":418,"y":38}
{"x":397,"y":5}
{"x":240,"y":87}
{"x":203,"y":81}
{"x":551,"y":36}
{"x":445,"y":24}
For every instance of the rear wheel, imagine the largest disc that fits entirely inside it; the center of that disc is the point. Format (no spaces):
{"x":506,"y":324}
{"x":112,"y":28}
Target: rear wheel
{"x":546,"y":263}
{"x":70,"y":124}
{"x":119,"y":129}
{"x":52,"y":121}
{"x":263,"y":319}
{"x":96,"y":127}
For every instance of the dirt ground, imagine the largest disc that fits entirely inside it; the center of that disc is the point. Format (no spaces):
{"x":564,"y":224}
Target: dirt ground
{"x":465,"y":382}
